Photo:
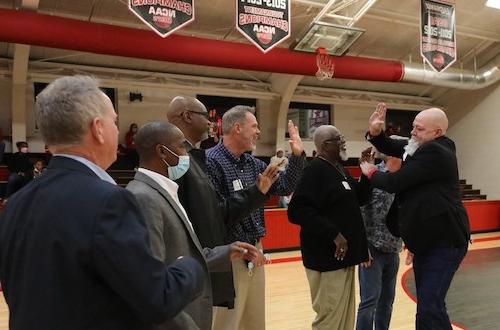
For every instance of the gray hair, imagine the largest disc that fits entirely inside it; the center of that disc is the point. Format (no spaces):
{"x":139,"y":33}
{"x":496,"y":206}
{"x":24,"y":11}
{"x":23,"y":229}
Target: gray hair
{"x":66,"y":107}
{"x":237,"y":114}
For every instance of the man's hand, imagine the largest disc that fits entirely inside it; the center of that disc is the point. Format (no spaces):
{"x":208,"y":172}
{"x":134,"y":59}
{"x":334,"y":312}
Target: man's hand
{"x":368,"y":263}
{"x":243,"y":250}
{"x":367,"y":155}
{"x":377,"y":119}
{"x":266,"y":179}
{"x":340,"y":247}
{"x":367,"y":168}
{"x":295,"y":140}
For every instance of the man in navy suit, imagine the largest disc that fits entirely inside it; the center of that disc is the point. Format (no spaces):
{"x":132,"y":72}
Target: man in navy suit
{"x":74,"y":248}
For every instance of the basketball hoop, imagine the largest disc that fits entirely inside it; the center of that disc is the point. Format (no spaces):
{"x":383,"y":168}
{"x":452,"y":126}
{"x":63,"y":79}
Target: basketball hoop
{"x":325,"y":64}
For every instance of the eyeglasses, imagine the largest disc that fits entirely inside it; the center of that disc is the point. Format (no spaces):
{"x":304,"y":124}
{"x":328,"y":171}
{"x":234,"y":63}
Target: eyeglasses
{"x":204,"y":114}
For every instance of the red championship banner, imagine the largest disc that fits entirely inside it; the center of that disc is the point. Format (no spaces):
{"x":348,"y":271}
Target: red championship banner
{"x":265,"y":23}
{"x":438,"y":43}
{"x":163,"y":16}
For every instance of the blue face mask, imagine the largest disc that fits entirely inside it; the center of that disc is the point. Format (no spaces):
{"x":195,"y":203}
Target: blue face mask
{"x":177,"y":171}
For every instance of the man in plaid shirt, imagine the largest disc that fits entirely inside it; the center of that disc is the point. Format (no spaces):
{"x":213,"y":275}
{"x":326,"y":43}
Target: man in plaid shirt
{"x":231,"y":169}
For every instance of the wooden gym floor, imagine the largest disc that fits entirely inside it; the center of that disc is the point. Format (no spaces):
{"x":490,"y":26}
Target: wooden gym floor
{"x":288,"y":304}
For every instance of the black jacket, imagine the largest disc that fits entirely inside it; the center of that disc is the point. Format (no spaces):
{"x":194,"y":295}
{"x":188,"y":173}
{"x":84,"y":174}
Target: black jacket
{"x":323,"y":207}
{"x":74,"y":254}
{"x":211,"y":214}
{"x":430,"y":209}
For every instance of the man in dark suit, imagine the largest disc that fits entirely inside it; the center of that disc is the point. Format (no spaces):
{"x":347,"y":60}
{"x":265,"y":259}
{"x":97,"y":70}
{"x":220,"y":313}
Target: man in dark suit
{"x":432,"y":219}
{"x":163,"y":157}
{"x":208,"y":211}
{"x":74,"y":248}
{"x":325,"y":205}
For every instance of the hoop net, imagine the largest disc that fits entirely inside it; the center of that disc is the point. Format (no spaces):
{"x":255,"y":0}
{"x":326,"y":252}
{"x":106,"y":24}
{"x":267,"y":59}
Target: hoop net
{"x":325,"y":64}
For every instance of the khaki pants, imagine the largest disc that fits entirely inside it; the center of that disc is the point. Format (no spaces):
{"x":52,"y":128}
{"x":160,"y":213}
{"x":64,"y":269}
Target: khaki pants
{"x":333,"y":298}
{"x":249,"y":305}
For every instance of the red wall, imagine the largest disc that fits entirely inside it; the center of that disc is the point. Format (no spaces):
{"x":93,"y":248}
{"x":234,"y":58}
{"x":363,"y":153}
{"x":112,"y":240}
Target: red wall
{"x":281,"y":234}
{"x":483,"y":215}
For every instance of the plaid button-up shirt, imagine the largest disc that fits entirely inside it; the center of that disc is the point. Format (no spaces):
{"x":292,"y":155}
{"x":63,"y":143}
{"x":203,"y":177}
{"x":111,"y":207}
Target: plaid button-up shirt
{"x":225,"y":169}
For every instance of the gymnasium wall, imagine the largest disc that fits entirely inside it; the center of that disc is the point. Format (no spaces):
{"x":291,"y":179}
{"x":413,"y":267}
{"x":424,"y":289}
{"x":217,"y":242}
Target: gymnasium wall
{"x":475,"y":117}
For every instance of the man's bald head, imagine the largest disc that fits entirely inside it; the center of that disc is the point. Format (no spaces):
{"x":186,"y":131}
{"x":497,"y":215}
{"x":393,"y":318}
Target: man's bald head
{"x":428,"y":125}
{"x":191,"y":116}
{"x":330,"y":143}
{"x":435,"y":117}
{"x":181,"y":104}
{"x":324,"y":133}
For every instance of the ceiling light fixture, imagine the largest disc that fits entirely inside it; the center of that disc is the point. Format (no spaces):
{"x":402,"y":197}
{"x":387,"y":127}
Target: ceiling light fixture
{"x":493,"y":4}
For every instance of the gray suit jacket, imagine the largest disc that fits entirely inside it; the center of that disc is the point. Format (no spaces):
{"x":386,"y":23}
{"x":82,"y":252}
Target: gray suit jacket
{"x":171,"y":236}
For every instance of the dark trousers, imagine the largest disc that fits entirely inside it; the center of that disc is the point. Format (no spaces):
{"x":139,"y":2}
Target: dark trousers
{"x":434,"y":271}
{"x":377,"y":285}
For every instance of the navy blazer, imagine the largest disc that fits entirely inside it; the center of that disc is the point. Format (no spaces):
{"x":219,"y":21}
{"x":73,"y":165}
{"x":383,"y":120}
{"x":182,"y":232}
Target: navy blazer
{"x":74,"y":254}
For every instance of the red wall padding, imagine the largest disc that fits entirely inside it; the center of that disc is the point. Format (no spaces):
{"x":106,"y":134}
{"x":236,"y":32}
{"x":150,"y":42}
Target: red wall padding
{"x":281,"y":234}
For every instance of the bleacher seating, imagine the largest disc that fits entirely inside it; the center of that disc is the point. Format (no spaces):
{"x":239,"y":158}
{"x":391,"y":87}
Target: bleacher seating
{"x":468,"y":193}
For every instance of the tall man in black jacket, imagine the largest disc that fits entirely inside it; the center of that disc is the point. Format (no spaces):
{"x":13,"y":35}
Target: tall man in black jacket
{"x":432,"y":220}
{"x":325,"y":205}
{"x":209,"y":212}
{"x":74,"y":248}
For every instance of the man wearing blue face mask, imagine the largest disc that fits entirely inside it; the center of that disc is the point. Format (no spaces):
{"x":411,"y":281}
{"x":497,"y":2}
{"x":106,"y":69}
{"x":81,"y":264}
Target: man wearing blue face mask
{"x":162,"y":159}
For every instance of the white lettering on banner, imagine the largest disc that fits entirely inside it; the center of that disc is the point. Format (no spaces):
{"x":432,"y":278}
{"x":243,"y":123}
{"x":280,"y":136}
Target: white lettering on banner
{"x":264,"y":29}
{"x":174,"y":4}
{"x":161,"y":12}
{"x":440,"y":9}
{"x":280,"y":4}
{"x":438,"y":32}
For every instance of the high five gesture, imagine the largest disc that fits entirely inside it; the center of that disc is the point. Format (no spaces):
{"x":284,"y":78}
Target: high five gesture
{"x":377,"y":119}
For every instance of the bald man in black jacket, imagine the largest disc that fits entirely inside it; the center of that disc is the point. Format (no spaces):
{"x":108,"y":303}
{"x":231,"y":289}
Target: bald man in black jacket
{"x":432,"y":219}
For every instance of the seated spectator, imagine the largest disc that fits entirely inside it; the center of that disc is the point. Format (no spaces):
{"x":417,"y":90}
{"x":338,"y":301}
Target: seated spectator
{"x":280,"y":160}
{"x":20,"y":168}
{"x":38,"y":168}
{"x":129,"y":137}
{"x":130,"y":149}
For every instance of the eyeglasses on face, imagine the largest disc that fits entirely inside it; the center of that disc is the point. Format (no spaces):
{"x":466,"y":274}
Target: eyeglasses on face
{"x":204,"y":114}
